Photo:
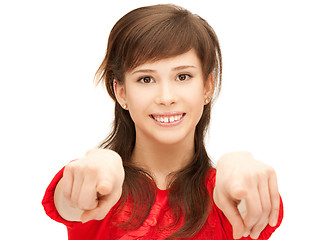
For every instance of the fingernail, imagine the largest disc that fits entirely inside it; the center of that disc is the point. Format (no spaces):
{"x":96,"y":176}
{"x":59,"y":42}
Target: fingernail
{"x":273,"y":221}
{"x":255,"y":235}
{"x":246,"y":234}
{"x":236,"y":236}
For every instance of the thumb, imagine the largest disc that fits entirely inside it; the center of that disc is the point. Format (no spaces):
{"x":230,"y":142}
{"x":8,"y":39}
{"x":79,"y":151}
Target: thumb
{"x":103,"y":190}
{"x":87,"y":216}
{"x":105,"y":203}
{"x":98,"y":213}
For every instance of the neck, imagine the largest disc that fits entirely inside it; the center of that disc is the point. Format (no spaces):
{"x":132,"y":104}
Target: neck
{"x":161,"y":160}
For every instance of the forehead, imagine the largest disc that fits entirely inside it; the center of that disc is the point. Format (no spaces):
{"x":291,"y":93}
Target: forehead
{"x":188,"y":59}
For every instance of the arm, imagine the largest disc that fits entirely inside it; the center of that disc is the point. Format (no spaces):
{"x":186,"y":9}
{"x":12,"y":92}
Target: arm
{"x":246,"y":191}
{"x":90,"y":186}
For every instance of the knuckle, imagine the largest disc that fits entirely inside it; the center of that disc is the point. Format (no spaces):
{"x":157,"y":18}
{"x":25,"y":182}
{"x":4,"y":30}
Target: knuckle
{"x":73,"y":203}
{"x":276,"y":196}
{"x":251,"y":177}
{"x":81,"y":206}
{"x":73,"y":165}
{"x":269,"y":171}
{"x":257,"y":213}
{"x":276,"y":207}
{"x":87,"y":204}
{"x":275,"y":211}
{"x":91,"y":170}
{"x":249,"y":224}
{"x":66,"y":193}
{"x":275,"y":199}
{"x":257,"y":229}
{"x":68,"y":168}
{"x":80,"y":203}
{"x":262,"y":175}
{"x":266,"y":208}
{"x":74,"y":200}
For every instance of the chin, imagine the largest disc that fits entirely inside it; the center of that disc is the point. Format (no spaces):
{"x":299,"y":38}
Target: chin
{"x":171,"y":138}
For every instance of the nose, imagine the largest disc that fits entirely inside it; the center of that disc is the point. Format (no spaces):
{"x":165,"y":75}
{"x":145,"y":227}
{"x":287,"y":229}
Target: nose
{"x":166,"y":94}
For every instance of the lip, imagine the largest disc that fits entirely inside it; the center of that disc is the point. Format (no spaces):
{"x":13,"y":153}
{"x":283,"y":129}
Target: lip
{"x":168,"y":115}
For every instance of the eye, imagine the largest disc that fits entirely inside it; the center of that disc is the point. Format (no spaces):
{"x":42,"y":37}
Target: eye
{"x":146,"y":80}
{"x":183,"y":77}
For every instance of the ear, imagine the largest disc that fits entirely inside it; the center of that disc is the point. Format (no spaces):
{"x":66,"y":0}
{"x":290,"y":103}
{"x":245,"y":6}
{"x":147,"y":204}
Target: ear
{"x":119,"y":90}
{"x":209,"y":87}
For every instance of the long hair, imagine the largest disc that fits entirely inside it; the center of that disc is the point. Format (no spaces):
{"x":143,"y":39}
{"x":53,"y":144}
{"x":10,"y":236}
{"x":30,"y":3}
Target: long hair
{"x":149,"y":34}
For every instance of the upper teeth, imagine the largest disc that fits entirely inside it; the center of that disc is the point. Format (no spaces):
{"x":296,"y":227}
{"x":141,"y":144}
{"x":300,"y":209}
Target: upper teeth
{"x":168,"y":119}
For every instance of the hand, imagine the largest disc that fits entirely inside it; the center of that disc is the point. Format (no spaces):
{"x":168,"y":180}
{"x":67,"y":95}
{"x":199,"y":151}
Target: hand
{"x":246,"y":191}
{"x":93,"y":184}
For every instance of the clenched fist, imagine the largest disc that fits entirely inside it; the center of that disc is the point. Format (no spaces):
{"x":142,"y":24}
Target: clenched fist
{"x":90,"y":186}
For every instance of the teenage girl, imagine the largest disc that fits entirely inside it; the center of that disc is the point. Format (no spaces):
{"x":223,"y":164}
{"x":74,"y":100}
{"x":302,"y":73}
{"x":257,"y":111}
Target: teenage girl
{"x":151,"y":178}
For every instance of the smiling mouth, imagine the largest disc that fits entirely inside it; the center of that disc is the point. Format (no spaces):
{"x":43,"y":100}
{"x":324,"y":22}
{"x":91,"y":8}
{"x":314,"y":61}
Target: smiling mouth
{"x":168,"y":118}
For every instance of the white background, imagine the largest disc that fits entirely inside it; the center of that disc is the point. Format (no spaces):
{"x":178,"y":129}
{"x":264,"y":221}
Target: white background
{"x":273,"y":101}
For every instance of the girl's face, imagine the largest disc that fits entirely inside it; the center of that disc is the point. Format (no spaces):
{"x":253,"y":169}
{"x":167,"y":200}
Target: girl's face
{"x":166,"y":98}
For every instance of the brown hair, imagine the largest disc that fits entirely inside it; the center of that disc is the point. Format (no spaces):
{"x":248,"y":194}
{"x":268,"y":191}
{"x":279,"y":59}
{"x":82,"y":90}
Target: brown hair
{"x":148,"y":34}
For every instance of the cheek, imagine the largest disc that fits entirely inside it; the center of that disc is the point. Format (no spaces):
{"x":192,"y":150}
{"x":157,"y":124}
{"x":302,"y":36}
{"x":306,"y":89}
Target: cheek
{"x":137,"y":103}
{"x":199,"y":106}
{"x":196,"y":104}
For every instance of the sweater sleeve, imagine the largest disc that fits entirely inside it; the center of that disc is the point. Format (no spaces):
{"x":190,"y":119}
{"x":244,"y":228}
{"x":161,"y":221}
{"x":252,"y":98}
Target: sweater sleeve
{"x":49,"y":203}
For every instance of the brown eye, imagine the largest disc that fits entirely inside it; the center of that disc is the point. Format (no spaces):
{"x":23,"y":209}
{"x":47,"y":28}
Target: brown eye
{"x":183,"y":77}
{"x":146,"y":80}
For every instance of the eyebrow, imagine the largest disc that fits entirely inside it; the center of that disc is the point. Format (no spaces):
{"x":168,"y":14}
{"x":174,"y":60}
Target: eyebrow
{"x":148,"y":70}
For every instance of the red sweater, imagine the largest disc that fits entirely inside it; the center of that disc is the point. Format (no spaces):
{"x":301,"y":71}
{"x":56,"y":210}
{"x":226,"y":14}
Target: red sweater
{"x":216,"y":227}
